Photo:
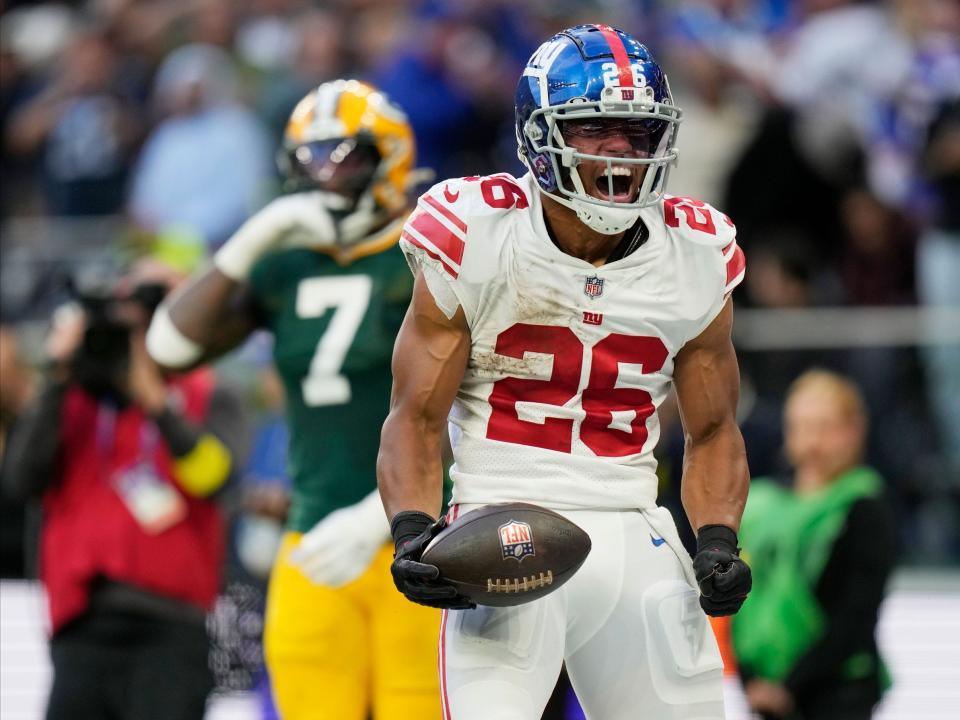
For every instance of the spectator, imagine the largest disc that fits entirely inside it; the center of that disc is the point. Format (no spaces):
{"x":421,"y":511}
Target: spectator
{"x":204,"y":166}
{"x":317,"y":56}
{"x":84,"y":126}
{"x":16,"y":383}
{"x":426,"y":77}
{"x":877,"y":256}
{"x":16,"y":170}
{"x":17,"y":388}
{"x":822,"y":550}
{"x":131,"y":545}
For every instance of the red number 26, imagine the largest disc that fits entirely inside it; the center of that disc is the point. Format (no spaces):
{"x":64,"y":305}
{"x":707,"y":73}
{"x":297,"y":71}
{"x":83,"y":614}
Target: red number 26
{"x":601,"y":398}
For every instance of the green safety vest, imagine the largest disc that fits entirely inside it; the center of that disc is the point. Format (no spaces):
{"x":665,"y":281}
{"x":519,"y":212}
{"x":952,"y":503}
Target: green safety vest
{"x":787,"y":539}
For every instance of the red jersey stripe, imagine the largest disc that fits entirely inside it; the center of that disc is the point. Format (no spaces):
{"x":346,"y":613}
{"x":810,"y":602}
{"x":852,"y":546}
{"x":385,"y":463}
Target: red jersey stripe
{"x":457,"y":222}
{"x":430,"y":251}
{"x":442,"y":655}
{"x":442,"y":237}
{"x":619,"y":54}
{"x":442,"y":663}
{"x":736,"y":265}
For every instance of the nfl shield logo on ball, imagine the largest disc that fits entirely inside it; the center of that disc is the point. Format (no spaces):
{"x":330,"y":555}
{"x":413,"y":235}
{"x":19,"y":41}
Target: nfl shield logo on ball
{"x":516,"y":540}
{"x":593,"y":287}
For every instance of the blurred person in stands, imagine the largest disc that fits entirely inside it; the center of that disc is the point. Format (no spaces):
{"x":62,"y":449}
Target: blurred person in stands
{"x":938,"y":257}
{"x":447,"y":74}
{"x":17,"y":86}
{"x":16,"y":383}
{"x":914,"y":164}
{"x":320,"y":268}
{"x":820,"y":102}
{"x":205,"y":165}
{"x":822,"y":546}
{"x":129,"y":467}
{"x":939,"y":267}
{"x":317,"y":56}
{"x":17,"y":390}
{"x":84,"y":125}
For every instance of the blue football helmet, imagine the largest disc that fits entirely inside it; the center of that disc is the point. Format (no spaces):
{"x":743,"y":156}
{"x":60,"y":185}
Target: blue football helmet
{"x":596,"y":73}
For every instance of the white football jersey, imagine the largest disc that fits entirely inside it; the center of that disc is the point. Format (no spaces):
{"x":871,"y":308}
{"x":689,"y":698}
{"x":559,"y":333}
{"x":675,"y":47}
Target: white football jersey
{"x":569,"y":362}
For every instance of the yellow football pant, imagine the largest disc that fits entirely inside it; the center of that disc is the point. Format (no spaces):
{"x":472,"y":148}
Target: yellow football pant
{"x":340,"y":653}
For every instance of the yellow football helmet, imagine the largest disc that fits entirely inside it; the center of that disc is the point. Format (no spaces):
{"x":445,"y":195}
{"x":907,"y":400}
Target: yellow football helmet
{"x":348,"y":139}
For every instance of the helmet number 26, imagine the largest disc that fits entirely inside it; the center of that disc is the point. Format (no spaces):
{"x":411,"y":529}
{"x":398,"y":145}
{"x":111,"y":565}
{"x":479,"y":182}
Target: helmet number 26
{"x":614,"y":420}
{"x":611,"y":74}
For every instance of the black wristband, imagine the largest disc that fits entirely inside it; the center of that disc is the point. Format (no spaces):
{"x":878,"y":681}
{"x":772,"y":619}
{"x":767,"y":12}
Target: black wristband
{"x":408,"y":524}
{"x":719,"y":536}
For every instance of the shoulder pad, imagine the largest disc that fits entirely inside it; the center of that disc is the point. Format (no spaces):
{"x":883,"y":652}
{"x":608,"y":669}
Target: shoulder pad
{"x":702,"y":224}
{"x":452,"y":210}
{"x":697,"y":221}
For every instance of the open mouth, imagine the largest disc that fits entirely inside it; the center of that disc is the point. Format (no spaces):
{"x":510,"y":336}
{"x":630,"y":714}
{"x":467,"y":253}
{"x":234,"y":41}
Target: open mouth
{"x":626,"y":184}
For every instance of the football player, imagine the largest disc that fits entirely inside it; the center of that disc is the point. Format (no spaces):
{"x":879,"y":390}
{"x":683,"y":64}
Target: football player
{"x":320,"y":268}
{"x":550,"y":317}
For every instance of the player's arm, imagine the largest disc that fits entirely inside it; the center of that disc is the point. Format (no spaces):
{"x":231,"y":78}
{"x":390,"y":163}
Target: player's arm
{"x":204,"y":318}
{"x":216,"y":311}
{"x":715,"y":474}
{"x":429,"y":359}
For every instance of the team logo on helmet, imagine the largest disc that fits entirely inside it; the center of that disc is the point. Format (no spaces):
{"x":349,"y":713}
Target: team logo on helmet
{"x":593,"y":287}
{"x":516,"y":540}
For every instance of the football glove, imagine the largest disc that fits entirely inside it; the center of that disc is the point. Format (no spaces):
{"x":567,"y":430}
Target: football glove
{"x":290,"y":221}
{"x":724,"y":578}
{"x":340,"y":548}
{"x":420,"y":582}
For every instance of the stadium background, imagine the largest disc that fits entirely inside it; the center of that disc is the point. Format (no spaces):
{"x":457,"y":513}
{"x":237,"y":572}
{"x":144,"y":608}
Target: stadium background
{"x":811,"y":122}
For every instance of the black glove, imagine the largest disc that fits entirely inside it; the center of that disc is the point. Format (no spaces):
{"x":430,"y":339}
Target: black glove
{"x":412,"y":531}
{"x":724,"y":578}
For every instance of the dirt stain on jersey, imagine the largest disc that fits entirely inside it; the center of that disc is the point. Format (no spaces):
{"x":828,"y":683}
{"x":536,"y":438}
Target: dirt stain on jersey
{"x":488,"y":364}
{"x":537,"y":303}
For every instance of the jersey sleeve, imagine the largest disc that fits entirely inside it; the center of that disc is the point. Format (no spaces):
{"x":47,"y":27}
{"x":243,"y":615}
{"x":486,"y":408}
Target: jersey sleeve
{"x":443,"y":239}
{"x":735,"y":266}
{"x":268,"y":279}
{"x":709,"y":241}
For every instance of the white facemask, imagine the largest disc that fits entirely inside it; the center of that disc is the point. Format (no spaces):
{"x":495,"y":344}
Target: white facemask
{"x":605,"y":220}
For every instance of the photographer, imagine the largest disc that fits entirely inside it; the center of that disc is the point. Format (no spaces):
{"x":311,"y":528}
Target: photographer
{"x":128,"y":466}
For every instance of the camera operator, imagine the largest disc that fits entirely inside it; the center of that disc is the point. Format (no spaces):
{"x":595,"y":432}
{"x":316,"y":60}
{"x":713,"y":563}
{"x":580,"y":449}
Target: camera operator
{"x":128,"y":466}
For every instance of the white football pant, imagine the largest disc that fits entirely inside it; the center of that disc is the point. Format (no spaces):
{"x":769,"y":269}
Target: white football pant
{"x":628,"y":625}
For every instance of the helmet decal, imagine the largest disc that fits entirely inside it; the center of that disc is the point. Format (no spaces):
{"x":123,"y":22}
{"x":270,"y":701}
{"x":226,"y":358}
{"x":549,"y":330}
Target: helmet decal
{"x":621,"y":62}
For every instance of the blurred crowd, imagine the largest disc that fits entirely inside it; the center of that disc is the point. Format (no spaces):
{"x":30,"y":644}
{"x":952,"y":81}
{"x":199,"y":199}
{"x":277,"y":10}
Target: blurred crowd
{"x":829,"y":130}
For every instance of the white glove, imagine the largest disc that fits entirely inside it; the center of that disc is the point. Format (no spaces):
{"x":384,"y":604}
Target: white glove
{"x":341,"y":547}
{"x":297,"y":220}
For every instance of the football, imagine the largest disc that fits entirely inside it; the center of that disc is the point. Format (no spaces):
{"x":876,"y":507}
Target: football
{"x":508,"y":554}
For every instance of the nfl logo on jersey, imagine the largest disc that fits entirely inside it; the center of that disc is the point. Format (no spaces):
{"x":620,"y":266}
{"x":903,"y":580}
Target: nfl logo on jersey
{"x":516,"y":540}
{"x":593,"y":287}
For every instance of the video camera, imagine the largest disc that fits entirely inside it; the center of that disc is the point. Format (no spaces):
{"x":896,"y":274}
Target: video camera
{"x":102,"y":361}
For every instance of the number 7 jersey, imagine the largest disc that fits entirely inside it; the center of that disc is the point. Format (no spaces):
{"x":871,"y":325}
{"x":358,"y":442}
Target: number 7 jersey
{"x":568,"y":362}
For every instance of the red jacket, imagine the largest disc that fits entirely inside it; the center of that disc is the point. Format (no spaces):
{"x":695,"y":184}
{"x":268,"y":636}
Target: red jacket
{"x":88,"y":531}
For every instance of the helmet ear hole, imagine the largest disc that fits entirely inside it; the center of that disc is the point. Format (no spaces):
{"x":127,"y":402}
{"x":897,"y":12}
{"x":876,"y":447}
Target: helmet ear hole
{"x":532,"y":131}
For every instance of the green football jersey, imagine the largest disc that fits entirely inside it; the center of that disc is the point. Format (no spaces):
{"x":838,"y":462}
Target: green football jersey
{"x":334,"y":327}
